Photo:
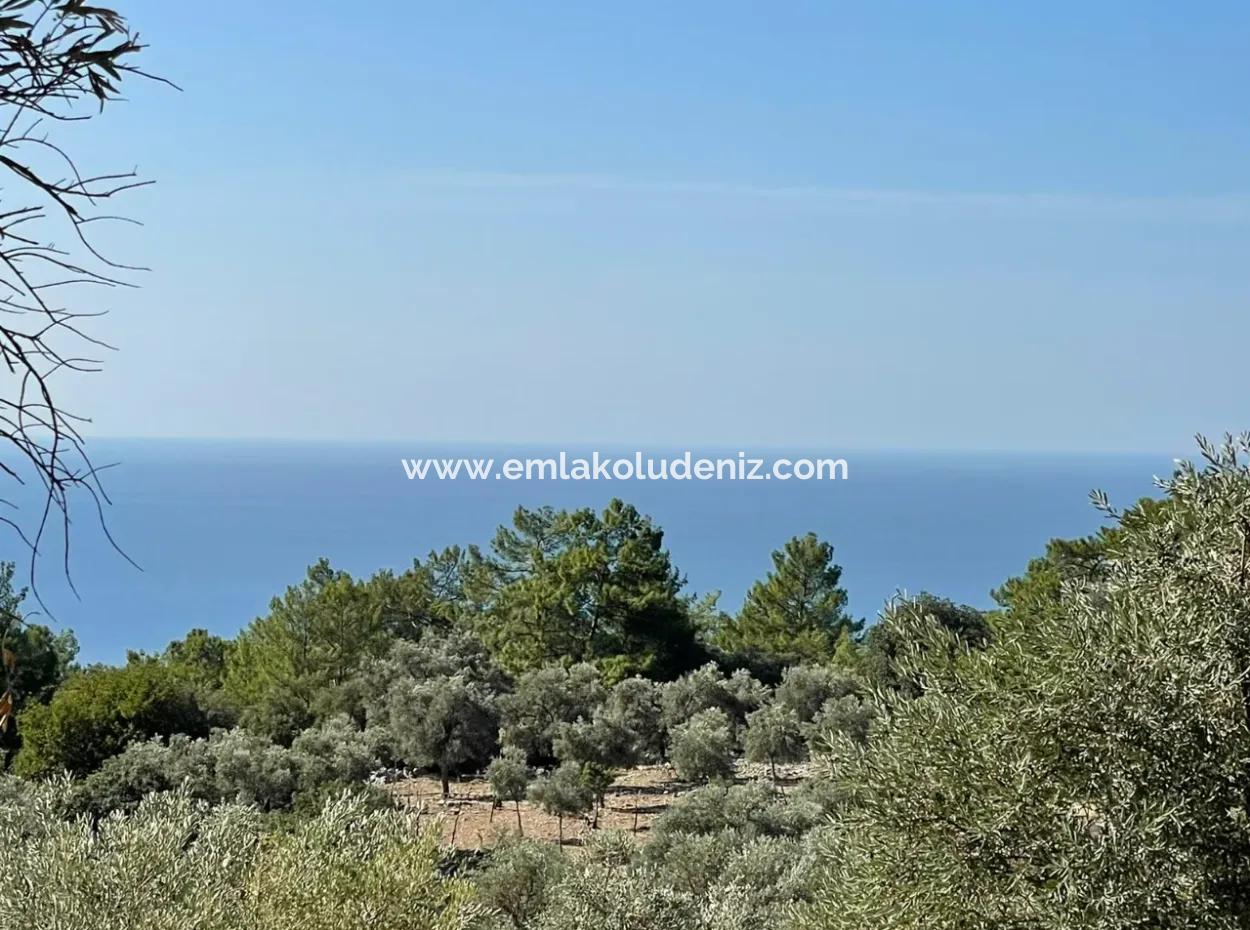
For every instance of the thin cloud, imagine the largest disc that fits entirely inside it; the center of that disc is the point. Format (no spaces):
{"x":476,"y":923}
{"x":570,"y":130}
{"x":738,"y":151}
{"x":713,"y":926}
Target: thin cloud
{"x":1232,"y":208}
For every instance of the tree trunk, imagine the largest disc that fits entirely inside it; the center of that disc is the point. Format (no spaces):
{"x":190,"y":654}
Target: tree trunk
{"x":446,"y":783}
{"x":560,"y":828}
{"x":519,"y":829}
{"x":772,"y":764}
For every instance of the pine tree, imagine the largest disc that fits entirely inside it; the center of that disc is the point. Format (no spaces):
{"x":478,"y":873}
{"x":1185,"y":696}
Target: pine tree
{"x":798,"y":612}
{"x":593,"y":587}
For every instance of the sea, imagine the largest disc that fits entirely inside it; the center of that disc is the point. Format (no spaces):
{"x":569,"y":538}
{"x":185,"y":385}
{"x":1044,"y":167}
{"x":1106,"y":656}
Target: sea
{"x":211,"y":531}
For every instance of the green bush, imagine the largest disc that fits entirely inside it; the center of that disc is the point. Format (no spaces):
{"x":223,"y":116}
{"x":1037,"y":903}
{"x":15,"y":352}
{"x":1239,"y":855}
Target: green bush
{"x":562,"y":793}
{"x":147,"y":767}
{"x":544,"y":701}
{"x":96,"y":713}
{"x":849,"y":717}
{"x":805,"y":689}
{"x":353,"y":867}
{"x":509,"y":779}
{"x":707,"y":688}
{"x":251,"y":769}
{"x":518,"y":877}
{"x":336,"y":750}
{"x":608,"y":897}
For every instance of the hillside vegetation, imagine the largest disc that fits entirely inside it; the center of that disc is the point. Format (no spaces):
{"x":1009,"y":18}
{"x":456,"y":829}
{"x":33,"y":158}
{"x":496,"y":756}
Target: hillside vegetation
{"x":1077,"y":758}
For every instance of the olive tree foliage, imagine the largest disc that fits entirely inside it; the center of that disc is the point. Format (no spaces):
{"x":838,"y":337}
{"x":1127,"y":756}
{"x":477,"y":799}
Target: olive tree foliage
{"x":1092,"y":768}
{"x":62,"y":61}
{"x":543,"y":701}
{"x":723,"y":858}
{"x":449,"y":725}
{"x":614,"y":897}
{"x":703,"y":747}
{"x":509,"y":778}
{"x":518,"y":878}
{"x":562,"y":793}
{"x":149,"y":767}
{"x":849,"y":717}
{"x":336,"y":750}
{"x":632,"y":713}
{"x":178,"y":864}
{"x":924,"y":621}
{"x":805,"y":689}
{"x":231,"y":766}
{"x":250,"y":769}
{"x":774,"y":734}
{"x":708,"y":688}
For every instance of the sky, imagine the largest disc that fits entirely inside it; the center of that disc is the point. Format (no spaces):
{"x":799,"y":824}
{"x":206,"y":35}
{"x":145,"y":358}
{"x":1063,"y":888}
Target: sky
{"x":892,"y":225}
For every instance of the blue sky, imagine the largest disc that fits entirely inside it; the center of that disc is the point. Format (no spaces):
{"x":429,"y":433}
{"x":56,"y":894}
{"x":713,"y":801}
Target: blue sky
{"x":849,"y":225}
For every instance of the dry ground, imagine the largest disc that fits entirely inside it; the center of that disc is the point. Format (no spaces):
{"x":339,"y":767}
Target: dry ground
{"x":635,"y":799}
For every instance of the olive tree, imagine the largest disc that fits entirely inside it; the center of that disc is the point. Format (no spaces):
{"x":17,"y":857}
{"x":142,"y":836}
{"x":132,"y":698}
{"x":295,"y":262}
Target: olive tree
{"x":543,"y":701}
{"x":446,"y":724}
{"x":562,"y":794}
{"x":703,"y":747}
{"x":509,"y":778}
{"x":1090,"y":769}
{"x":774,"y":735}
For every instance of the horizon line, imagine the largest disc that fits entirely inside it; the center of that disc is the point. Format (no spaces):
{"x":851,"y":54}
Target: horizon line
{"x":640,"y":445}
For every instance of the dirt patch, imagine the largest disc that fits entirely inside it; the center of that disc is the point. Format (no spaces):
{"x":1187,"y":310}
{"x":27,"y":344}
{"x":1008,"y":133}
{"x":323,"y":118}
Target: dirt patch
{"x":470,"y":820}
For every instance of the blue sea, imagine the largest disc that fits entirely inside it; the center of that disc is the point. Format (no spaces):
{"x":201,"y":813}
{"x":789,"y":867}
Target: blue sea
{"x":219,"y":528}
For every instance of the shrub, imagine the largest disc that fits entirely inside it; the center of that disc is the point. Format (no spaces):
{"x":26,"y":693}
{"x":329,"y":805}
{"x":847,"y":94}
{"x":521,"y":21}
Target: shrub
{"x":177,"y":864}
{"x":849,"y":717}
{"x":252,"y":769}
{"x":707,"y":688}
{"x":632,"y":712}
{"x":611,"y":847}
{"x":1090,"y":768}
{"x":518,"y":877}
{"x":352,"y":867}
{"x":702,"y":748}
{"x":173,"y":864}
{"x":907,"y":629}
{"x":610,"y":897}
{"x":334,"y":751}
{"x":755,"y":808}
{"x":692,"y":862}
{"x":145,"y":768}
{"x":96,"y":713}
